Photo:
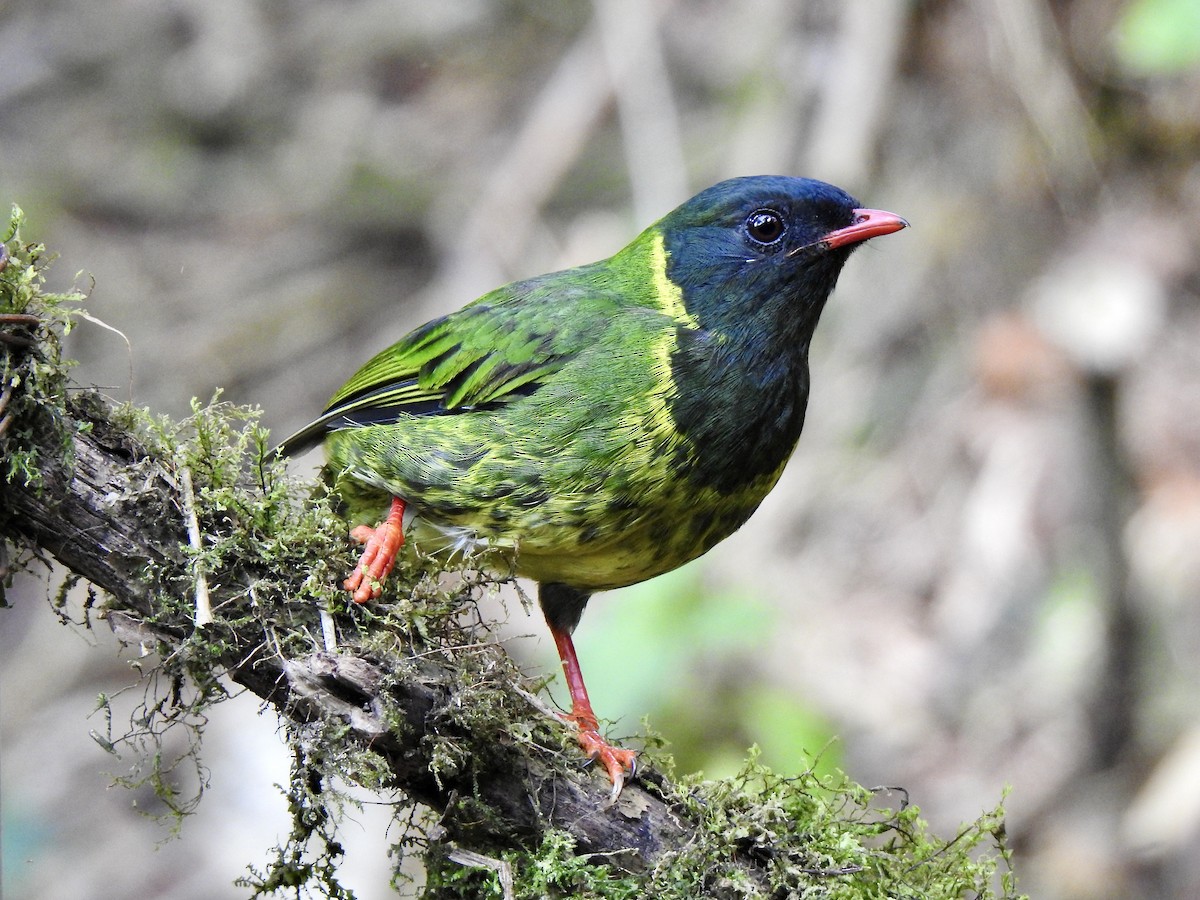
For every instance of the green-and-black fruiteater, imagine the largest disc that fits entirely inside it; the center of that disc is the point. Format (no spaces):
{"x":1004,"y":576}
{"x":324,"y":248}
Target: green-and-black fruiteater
{"x":607,"y":423}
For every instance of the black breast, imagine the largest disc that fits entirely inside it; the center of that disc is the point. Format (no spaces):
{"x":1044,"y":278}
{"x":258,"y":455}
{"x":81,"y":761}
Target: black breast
{"x":741,"y":409}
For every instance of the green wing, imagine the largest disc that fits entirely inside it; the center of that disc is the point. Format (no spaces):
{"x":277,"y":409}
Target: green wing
{"x":474,"y":357}
{"x":501,"y":347}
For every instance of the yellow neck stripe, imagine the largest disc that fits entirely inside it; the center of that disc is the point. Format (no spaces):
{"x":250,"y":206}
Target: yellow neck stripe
{"x":666,"y":292}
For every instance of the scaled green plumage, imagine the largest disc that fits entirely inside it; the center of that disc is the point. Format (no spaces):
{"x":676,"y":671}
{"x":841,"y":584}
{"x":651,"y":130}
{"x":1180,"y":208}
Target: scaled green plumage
{"x":581,"y":475}
{"x":607,"y":423}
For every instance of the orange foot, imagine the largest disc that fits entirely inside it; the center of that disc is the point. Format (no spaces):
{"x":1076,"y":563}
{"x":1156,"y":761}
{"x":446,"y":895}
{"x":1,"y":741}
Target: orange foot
{"x":379,"y":556}
{"x":616,"y":760}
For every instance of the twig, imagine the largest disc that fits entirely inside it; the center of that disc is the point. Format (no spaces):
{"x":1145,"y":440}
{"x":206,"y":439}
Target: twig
{"x":478,"y":860}
{"x":5,"y":417}
{"x":328,"y":632}
{"x":204,"y":614}
{"x":17,"y":340}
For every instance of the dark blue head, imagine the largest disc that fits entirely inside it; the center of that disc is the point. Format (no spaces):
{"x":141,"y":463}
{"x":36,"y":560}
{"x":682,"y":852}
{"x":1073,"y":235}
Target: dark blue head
{"x":765,"y":248}
{"x":756,"y":259}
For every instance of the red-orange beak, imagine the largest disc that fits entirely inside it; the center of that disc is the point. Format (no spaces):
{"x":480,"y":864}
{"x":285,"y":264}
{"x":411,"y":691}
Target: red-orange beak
{"x":868,"y":223}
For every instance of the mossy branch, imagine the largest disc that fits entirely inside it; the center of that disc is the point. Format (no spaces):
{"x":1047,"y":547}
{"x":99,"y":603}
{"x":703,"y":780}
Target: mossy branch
{"x":114,"y":514}
{"x":169,"y":519}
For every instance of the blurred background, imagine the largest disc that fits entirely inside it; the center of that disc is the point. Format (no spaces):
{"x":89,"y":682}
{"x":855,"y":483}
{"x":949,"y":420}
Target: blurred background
{"x":981,"y":568}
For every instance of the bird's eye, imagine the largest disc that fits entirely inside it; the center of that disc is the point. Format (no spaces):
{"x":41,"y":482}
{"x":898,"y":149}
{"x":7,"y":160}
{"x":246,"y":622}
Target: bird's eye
{"x":765,"y":226}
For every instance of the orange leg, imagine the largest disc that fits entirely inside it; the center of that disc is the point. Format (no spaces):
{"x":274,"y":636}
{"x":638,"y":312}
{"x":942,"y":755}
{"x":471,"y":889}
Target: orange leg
{"x":615,"y":760}
{"x":379,"y":556}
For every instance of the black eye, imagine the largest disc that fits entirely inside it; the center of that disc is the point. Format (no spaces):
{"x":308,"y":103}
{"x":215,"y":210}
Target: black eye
{"x":765,"y":226}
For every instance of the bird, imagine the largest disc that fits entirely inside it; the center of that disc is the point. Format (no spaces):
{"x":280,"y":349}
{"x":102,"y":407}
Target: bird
{"x":605,"y":424}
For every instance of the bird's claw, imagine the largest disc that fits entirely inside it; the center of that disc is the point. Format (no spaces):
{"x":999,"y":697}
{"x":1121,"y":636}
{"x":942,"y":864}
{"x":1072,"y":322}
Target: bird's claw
{"x":617,"y":761}
{"x":378,"y":559}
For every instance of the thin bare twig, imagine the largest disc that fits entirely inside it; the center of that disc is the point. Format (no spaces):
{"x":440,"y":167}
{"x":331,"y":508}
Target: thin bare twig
{"x":18,"y":340}
{"x":204,"y":614}
{"x":478,"y":860}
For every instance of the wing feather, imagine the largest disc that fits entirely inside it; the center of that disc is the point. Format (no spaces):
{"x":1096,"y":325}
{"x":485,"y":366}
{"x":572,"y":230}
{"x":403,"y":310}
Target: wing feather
{"x":491,"y":352}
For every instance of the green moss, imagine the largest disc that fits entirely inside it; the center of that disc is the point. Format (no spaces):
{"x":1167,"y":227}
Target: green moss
{"x":33,"y":374}
{"x":810,"y":836}
{"x":258,"y":526}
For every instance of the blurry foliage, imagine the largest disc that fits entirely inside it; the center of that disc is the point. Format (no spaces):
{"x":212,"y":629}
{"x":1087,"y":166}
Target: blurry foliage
{"x":682,"y":654}
{"x":1157,"y":37}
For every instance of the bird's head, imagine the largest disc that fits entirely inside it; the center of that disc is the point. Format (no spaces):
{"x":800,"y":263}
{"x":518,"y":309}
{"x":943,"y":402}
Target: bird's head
{"x":765,"y":250}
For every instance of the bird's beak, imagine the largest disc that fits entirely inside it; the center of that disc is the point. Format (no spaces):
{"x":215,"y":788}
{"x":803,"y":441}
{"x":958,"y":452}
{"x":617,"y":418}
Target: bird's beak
{"x":868,"y":223}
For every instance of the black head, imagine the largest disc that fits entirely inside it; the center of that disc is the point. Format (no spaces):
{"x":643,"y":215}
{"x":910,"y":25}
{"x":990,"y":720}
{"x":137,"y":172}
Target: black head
{"x":765,"y":247}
